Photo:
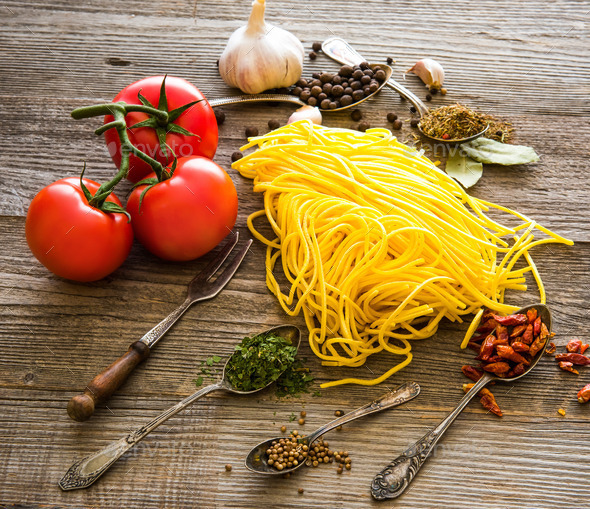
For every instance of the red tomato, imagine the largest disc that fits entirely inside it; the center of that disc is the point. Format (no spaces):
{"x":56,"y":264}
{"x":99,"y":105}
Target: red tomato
{"x":199,"y":120}
{"x":73,"y":239}
{"x":187,"y":215}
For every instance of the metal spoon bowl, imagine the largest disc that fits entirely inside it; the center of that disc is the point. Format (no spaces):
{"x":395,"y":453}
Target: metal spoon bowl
{"x":393,"y":480}
{"x":239,"y":99}
{"x":339,"y":50}
{"x":86,"y":471}
{"x":257,"y":460}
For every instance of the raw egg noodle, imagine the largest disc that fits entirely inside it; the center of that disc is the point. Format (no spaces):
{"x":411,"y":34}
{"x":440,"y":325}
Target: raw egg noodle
{"x":377,"y":243}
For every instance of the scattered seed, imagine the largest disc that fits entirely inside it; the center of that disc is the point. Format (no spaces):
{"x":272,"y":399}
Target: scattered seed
{"x":251,"y":131}
{"x":389,"y":60}
{"x":414,"y":122}
{"x":273,"y":124}
{"x":300,"y":491}
{"x":363,"y":126}
{"x":443,"y":91}
{"x":561,"y":412}
{"x":228,"y":468}
{"x":301,"y":421}
{"x":428,"y":97}
{"x":316,"y":46}
{"x":397,"y":125}
{"x":313,"y":55}
{"x":413,"y":109}
{"x":219,"y":116}
{"x":391,"y":117}
{"x":338,"y":413}
{"x":283,"y":429}
{"x":303,"y":413}
{"x":236,"y":155}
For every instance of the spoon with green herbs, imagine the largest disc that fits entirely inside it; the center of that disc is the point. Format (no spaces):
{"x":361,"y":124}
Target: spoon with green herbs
{"x":257,"y":362}
{"x":258,"y":458}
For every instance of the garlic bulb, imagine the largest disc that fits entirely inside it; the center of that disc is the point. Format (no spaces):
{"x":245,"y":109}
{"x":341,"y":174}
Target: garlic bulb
{"x":306,"y":113}
{"x":259,"y":56}
{"x":430,"y":72}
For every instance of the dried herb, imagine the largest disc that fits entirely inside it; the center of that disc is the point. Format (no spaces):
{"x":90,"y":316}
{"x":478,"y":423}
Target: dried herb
{"x":492,"y":152}
{"x":294,"y":381}
{"x":198,"y":381}
{"x":258,"y":361}
{"x":457,"y":121}
{"x":464,"y":169}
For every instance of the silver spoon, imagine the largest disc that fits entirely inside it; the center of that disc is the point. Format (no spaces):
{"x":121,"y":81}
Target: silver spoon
{"x":339,"y":50}
{"x":257,"y":460}
{"x":86,"y":471}
{"x":294,"y":99}
{"x":392,"y":481}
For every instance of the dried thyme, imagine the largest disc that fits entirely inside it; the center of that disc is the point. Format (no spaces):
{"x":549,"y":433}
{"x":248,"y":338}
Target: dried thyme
{"x":457,"y":121}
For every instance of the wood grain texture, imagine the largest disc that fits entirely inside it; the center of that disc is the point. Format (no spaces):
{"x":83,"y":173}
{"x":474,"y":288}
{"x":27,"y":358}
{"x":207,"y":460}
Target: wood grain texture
{"x":526,"y":61}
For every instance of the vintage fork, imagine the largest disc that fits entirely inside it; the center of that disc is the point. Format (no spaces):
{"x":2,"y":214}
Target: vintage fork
{"x":81,"y":407}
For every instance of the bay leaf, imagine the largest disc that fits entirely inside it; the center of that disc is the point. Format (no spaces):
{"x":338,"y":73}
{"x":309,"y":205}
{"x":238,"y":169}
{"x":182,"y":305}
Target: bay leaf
{"x":464,"y":169}
{"x":489,"y":151}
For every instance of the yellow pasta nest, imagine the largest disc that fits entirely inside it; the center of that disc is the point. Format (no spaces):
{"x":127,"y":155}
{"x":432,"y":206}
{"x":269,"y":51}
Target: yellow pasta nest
{"x":377,"y":243}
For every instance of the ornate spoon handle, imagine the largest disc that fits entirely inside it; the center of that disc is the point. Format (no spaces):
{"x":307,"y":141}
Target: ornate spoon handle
{"x":87,"y":470}
{"x":393,"y":480}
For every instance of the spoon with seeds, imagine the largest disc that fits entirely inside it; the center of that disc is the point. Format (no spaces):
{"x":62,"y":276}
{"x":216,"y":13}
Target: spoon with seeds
{"x":339,"y":50}
{"x":86,"y":471}
{"x":257,"y":459}
{"x":239,"y":99}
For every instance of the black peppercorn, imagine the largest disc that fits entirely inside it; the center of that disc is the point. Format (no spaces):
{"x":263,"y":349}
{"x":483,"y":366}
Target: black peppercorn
{"x":346,"y":100}
{"x":235,"y":156}
{"x":297,"y":91}
{"x":251,"y":131}
{"x":316,"y":46}
{"x":389,"y":60}
{"x":380,"y":75}
{"x":337,"y":80}
{"x":219,"y":116}
{"x":363,"y":126}
{"x":313,"y":55}
{"x":391,"y":117}
{"x":305,"y":94}
{"x":365,"y":80}
{"x":413,"y":109}
{"x":273,"y":124}
{"x":337,"y":90}
{"x":345,"y":71}
{"x":301,"y":83}
{"x":356,"y":115}
{"x":347,"y":91}
{"x":364,"y":65}
{"x":315,"y":91}
{"x":428,"y":97}
{"x":312,"y":101}
{"x":358,"y":74}
{"x":397,"y":125}
{"x":357,"y":95}
{"x":325,"y":104}
{"x":414,"y":122}
{"x":325,"y":77}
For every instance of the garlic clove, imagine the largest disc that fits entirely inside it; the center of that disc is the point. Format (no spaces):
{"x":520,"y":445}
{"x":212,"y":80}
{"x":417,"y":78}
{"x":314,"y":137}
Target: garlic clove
{"x":260,"y":56}
{"x":306,"y":112}
{"x":430,"y":72}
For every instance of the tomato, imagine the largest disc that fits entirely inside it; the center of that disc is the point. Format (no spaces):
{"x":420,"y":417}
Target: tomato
{"x":73,"y":239}
{"x":198,"y":119}
{"x":187,"y":215}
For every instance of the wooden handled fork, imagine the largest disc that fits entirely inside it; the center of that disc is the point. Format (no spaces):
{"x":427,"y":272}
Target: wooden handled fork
{"x":81,"y":407}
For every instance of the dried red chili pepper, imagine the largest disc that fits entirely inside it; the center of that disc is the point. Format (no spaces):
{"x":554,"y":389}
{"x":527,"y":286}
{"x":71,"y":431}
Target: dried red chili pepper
{"x":527,"y":336}
{"x":502,"y":334}
{"x":487,"y":399}
{"x":472,"y":373}
{"x":537,"y":326}
{"x":520,"y":347}
{"x":584,"y":394}
{"x":497,"y":368}
{"x":518,"y":370}
{"x":538,"y":345}
{"x":574,"y":358}
{"x":583,"y":348}
{"x":574,"y":346}
{"x":507,"y":352}
{"x":517,"y":331}
{"x":531,"y":315}
{"x":550,"y":350}
{"x":478,"y":338}
{"x":568,"y":366}
{"x":488,"y":326}
{"x":487,"y":348}
{"x":511,"y":320}
{"x":474,"y":346}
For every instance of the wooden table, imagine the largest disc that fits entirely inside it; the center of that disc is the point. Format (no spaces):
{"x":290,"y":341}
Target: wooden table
{"x":527,"y":61}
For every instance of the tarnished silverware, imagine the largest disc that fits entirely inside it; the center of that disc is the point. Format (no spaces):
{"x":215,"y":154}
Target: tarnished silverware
{"x":256,"y":461}
{"x":393,"y":480}
{"x":338,"y":49}
{"x":102,"y":387}
{"x":86,"y":471}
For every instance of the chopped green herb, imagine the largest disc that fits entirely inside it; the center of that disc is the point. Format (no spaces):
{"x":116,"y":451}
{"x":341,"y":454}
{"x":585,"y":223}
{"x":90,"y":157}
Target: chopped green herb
{"x":258,"y":361}
{"x":216,"y":358}
{"x":209,"y":361}
{"x":292,"y":417}
{"x":198,"y":381}
{"x":294,"y":381}
{"x":316,"y":394}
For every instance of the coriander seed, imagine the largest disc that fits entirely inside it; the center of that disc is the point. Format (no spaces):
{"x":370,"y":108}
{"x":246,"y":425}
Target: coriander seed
{"x":228,"y":468}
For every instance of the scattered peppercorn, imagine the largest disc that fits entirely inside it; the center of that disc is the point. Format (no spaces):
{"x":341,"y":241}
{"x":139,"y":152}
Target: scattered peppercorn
{"x":236,"y":155}
{"x":338,"y":413}
{"x":414,"y":122}
{"x":273,"y":124}
{"x":428,"y":97}
{"x":251,"y":131}
{"x":434,"y":90}
{"x":300,"y":491}
{"x":391,"y":117}
{"x":363,"y":126}
{"x":219,"y":116}
{"x":303,"y":413}
{"x":316,"y":46}
{"x":283,"y":429}
{"x":389,"y":60}
{"x":397,"y":125}
{"x":313,"y":55}
{"x":413,"y":109}
{"x":443,"y":91}
{"x":301,"y":421}
{"x":228,"y":468}
{"x":356,"y":115}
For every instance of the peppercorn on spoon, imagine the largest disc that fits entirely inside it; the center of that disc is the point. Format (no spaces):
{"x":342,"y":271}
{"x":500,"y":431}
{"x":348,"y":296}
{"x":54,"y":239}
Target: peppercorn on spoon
{"x":86,"y":471}
{"x":339,"y":50}
{"x":293,"y":99}
{"x":393,"y":480}
{"x":257,"y":460}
